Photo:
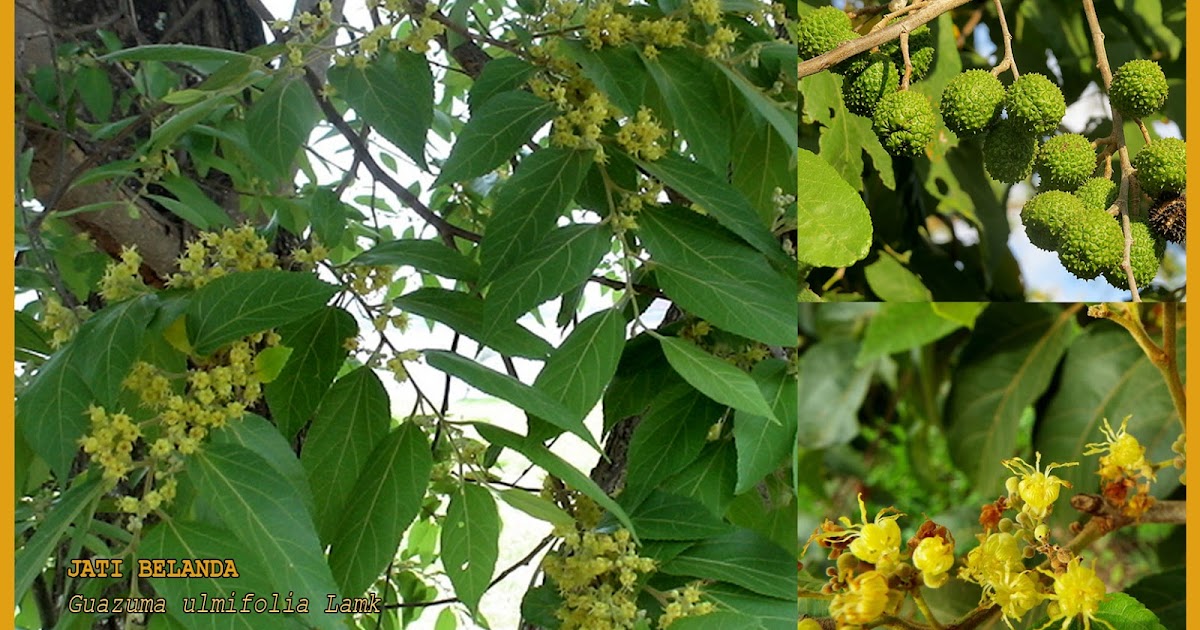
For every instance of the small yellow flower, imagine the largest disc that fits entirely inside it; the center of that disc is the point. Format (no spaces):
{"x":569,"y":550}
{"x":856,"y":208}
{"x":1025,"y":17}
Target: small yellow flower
{"x":863,"y":602}
{"x":1124,"y":455}
{"x":1036,"y":487}
{"x":997,"y":555}
{"x":933,"y":557}
{"x":1016,"y":594}
{"x":1078,"y":592}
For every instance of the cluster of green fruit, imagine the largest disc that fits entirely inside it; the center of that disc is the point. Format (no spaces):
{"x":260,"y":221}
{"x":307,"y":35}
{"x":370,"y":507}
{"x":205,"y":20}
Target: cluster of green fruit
{"x":1070,"y":214}
{"x":903,"y":120}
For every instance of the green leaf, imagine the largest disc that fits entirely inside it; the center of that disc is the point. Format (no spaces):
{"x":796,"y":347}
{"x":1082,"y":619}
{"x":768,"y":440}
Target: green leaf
{"x":566,"y":258}
{"x":761,"y":163}
{"x":319,"y":343}
{"x":511,"y":390}
{"x":710,"y":478}
{"x":494,"y":133}
{"x":279,"y":123}
{"x":763,"y":445}
{"x":719,"y":620}
{"x":175,"y":538}
{"x":719,"y":200}
{"x":464,"y":313}
{"x":902,"y":326}
{"x":252,"y":499}
{"x":177,"y":53}
{"x":781,"y":120}
{"x":328,"y":217}
{"x":1003,"y":369}
{"x":965,"y":313}
{"x":617,"y":71}
{"x":528,"y":205}
{"x":197,"y":203}
{"x":578,"y":371}
{"x":96,"y":91}
{"x":665,"y":516}
{"x":1163,"y":594}
{"x":742,"y":558}
{"x":50,"y":412}
{"x":353,"y":417}
{"x":1123,"y":611}
{"x":536,"y":506}
{"x":471,"y":543}
{"x":668,"y":438}
{"x":386,"y":498}
{"x":244,"y":303}
{"x":29,"y":336}
{"x":270,"y":361}
{"x":1106,"y":375}
{"x":541,"y":456}
{"x":716,"y":378}
{"x":693,"y":103}
{"x":716,"y":277}
{"x":499,"y":75}
{"x":393,"y":94}
{"x":183,"y":121}
{"x":111,"y":341}
{"x":833,"y":391}
{"x":257,"y":434}
{"x":32,"y":556}
{"x":834,"y":225}
{"x":891,"y":281}
{"x":424,"y":255}
{"x":773,"y":614}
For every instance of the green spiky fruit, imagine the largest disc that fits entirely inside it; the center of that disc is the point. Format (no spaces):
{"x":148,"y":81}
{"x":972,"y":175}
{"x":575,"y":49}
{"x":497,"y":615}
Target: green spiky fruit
{"x":1162,"y":167}
{"x":971,"y":101}
{"x":920,"y":52}
{"x":1145,"y":255}
{"x":1009,"y":152}
{"x":1035,"y":103}
{"x":1091,"y":244}
{"x":821,"y":31}
{"x":904,"y":123}
{"x":863,"y":90}
{"x":1065,"y":162}
{"x":1139,"y":88}
{"x":1098,"y":193}
{"x":1168,"y":218}
{"x":1047,"y":216}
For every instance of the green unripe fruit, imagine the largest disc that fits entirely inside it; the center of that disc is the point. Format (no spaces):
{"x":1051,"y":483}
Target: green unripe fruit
{"x":863,"y":90}
{"x":1162,"y":167}
{"x":1091,"y":244}
{"x":1065,"y":162}
{"x":1035,"y":103}
{"x":1145,"y":255}
{"x":1047,"y":215}
{"x":1098,"y":193}
{"x":905,"y":123}
{"x":821,"y":31}
{"x":1008,"y":152}
{"x":1139,"y":88}
{"x":971,"y":101}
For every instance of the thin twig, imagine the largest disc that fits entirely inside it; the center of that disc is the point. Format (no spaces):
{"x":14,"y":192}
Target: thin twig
{"x":1009,"y":62}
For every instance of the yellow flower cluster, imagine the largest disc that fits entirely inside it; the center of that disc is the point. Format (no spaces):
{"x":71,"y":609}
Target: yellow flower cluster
{"x":307,"y":259}
{"x":216,"y":254}
{"x":1033,"y":489}
{"x":110,"y":442}
{"x":640,"y":136}
{"x":684,"y":602}
{"x":720,"y":43}
{"x":364,"y":279}
{"x":60,"y":321}
{"x":395,"y":365}
{"x":707,"y":11}
{"x":123,"y":280}
{"x":1124,"y":468}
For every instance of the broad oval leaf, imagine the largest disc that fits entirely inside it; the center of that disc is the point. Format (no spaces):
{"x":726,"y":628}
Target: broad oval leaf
{"x":385,"y":499}
{"x":244,"y":303}
{"x":712,"y":274}
{"x":1004,"y":368}
{"x":352,"y":418}
{"x":425,"y":255}
{"x":494,"y":133}
{"x":393,"y":94}
{"x":564,"y":259}
{"x":742,"y":558}
{"x":318,"y":343}
{"x":693,"y":102}
{"x":471,"y":543}
{"x":259,"y":435}
{"x":31,"y":556}
{"x":464,"y":313}
{"x":763,"y":445}
{"x":833,"y":223}
{"x":527,"y":206}
{"x":716,"y":378}
{"x":511,"y":390}
{"x":279,"y":122}
{"x":834,"y":389}
{"x":578,"y":371}
{"x":666,"y":516}
{"x":668,"y":438}
{"x":255,"y":501}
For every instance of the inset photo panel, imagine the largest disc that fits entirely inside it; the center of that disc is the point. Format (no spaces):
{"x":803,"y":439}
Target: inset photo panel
{"x":994,"y":151}
{"x":975,"y":466}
